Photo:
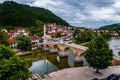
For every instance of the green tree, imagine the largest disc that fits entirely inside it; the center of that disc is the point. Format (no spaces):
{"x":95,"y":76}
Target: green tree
{"x":4,"y":38}
{"x":75,"y":32}
{"x":86,"y":36}
{"x":99,"y":55}
{"x":106,"y":35}
{"x":11,"y":66}
{"x":23,"y":42}
{"x":77,"y":41}
{"x":83,"y":36}
{"x":77,"y":36}
{"x":5,"y":52}
{"x":39,"y":30}
{"x":58,"y":34}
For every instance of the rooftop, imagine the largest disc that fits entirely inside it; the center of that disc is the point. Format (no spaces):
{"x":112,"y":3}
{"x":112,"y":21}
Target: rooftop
{"x":11,"y":40}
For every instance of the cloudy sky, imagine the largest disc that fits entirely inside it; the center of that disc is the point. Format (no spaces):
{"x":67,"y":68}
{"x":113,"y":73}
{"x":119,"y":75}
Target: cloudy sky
{"x":83,"y":13}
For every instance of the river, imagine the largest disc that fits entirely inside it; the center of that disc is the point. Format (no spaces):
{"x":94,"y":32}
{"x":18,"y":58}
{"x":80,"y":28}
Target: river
{"x":44,"y":62}
{"x":114,"y":44}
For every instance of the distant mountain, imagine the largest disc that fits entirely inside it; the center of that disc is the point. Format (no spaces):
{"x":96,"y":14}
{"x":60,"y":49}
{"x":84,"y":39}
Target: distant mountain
{"x":14,"y":14}
{"x":112,"y":27}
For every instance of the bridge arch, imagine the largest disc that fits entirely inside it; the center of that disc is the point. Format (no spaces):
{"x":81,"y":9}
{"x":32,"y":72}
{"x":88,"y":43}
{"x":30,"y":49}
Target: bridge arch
{"x":45,"y":47}
{"x":54,"y":48}
{"x":42,"y":47}
{"x":66,"y":48}
{"x":64,"y":53}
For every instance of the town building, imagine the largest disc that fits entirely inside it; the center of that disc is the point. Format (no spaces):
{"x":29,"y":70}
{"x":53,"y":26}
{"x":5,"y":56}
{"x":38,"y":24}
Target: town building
{"x":35,"y":40}
{"x":18,"y":31}
{"x":13,"y":42}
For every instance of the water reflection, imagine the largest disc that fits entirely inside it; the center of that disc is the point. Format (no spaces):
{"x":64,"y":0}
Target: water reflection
{"x":71,"y":58}
{"x":43,"y":62}
{"x":58,"y":58}
{"x":42,"y":66}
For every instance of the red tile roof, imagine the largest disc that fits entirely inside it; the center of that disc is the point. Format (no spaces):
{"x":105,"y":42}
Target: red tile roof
{"x":35,"y":37}
{"x":12,"y":40}
{"x":52,"y":34}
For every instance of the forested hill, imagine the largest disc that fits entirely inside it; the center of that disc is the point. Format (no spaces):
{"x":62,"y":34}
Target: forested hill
{"x":14,"y":14}
{"x":112,"y":27}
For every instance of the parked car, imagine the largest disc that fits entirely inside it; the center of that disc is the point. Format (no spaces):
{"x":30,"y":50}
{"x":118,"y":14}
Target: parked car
{"x":110,"y":77}
{"x":113,"y":77}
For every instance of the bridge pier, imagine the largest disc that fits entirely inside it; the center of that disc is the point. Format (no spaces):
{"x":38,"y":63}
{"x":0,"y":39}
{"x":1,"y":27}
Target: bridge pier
{"x":41,"y":47}
{"x":44,"y":48}
{"x":63,"y":54}
{"x":78,"y":59}
{"x":53,"y":50}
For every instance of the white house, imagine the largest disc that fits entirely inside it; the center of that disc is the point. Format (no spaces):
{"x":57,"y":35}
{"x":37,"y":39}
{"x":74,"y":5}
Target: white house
{"x":35,"y":40}
{"x":18,"y":31}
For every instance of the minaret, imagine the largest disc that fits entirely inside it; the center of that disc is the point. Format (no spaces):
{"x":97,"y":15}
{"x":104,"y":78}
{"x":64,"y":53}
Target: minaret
{"x":44,"y":30}
{"x":44,"y":33}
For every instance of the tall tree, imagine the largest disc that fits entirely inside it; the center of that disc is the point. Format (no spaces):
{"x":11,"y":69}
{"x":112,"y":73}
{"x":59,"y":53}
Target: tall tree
{"x":86,"y":36}
{"x":11,"y":66}
{"x":99,"y":55}
{"x":77,"y":36}
{"x":106,"y":35}
{"x":4,"y":38}
{"x":75,"y":32}
{"x":39,"y":30}
{"x":23,"y":42}
{"x":83,"y":36}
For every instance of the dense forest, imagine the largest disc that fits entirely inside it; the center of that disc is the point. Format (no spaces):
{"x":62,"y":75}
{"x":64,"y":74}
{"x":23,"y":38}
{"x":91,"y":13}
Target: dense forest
{"x":112,"y":27}
{"x":14,"y":15}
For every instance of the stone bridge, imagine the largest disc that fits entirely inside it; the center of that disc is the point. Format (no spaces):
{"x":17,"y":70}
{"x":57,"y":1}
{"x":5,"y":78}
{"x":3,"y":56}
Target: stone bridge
{"x":64,"y":49}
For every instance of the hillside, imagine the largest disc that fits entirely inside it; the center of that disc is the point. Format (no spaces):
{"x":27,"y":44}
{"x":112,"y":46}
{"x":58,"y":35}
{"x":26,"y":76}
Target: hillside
{"x":112,"y":27}
{"x":14,"y":14}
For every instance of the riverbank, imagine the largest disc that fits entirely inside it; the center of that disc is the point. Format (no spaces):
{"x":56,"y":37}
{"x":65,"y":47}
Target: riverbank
{"x":115,"y":37}
{"x":83,"y":73}
{"x":22,"y":53}
{"x":25,"y":53}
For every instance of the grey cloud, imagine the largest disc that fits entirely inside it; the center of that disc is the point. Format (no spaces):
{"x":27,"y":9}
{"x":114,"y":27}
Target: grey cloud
{"x":102,"y":3}
{"x":78,"y":12}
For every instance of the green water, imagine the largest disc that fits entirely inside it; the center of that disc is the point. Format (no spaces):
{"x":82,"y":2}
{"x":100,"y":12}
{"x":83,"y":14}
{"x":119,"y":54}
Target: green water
{"x":39,"y":59}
